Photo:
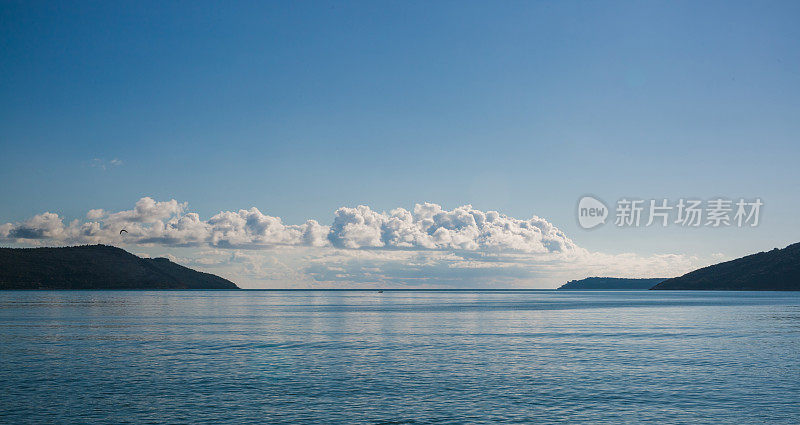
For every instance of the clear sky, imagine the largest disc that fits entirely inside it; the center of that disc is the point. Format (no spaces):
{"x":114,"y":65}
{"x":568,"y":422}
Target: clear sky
{"x":300,"y":108}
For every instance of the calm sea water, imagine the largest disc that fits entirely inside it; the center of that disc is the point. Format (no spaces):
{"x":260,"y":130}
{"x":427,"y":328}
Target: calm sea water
{"x":399,"y":357}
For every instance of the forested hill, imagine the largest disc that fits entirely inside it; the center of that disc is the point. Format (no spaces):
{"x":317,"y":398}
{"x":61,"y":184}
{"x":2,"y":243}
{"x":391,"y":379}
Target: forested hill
{"x":776,"y":270}
{"x":97,"y":267}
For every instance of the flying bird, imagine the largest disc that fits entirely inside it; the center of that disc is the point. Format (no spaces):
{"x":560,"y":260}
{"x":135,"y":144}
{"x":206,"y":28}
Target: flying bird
{"x":123,"y":230}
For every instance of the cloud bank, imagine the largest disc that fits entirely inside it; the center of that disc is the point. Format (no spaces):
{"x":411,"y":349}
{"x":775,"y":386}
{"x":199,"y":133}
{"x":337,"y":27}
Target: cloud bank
{"x":427,"y":227}
{"x":427,"y":246}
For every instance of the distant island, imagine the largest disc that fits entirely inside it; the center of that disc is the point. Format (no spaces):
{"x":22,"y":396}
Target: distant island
{"x":97,"y":267}
{"x":610,"y":283}
{"x":776,"y":270}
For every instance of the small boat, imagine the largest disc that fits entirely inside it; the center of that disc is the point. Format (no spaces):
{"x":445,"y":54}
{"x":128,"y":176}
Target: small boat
{"x":380,"y":291}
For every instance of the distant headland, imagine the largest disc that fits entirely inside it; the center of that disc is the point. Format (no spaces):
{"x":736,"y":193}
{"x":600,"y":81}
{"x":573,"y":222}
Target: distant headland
{"x":600,"y":283}
{"x":97,"y":267}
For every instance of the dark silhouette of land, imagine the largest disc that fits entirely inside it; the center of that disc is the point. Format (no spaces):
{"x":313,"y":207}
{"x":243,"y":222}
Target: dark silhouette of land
{"x":610,"y":283}
{"x":97,"y":267}
{"x":776,"y":270}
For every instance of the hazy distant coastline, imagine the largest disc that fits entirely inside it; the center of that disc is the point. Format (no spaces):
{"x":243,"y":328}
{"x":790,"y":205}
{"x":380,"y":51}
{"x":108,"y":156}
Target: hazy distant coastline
{"x":600,"y":283}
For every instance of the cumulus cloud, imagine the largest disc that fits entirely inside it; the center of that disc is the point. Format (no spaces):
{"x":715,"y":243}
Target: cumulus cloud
{"x":95,"y":214}
{"x":427,"y":227}
{"x":5,"y":230}
{"x":41,"y":226}
{"x":253,"y":228}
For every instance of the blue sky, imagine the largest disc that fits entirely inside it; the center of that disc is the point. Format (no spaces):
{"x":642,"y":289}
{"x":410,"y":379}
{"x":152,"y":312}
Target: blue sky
{"x":300,"y":108}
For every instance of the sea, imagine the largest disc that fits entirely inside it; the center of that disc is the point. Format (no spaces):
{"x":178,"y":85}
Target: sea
{"x":399,"y":357}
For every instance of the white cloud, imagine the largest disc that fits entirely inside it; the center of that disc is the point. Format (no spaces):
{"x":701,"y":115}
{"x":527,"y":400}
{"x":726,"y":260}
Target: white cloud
{"x":5,"y":230}
{"x":148,"y":210}
{"x":431,"y":227}
{"x":104,"y":164}
{"x":41,"y":226}
{"x":247,"y":228}
{"x":95,"y":214}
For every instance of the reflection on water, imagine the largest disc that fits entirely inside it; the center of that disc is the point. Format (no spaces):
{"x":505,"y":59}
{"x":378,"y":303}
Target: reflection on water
{"x":399,"y":357}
